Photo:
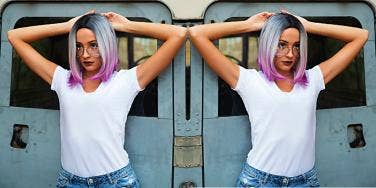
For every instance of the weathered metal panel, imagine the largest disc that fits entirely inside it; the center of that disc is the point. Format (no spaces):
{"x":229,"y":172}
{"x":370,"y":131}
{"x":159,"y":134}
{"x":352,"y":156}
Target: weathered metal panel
{"x":337,"y":163}
{"x":148,"y":142}
{"x":188,"y":151}
{"x":37,"y":165}
{"x":226,"y":145}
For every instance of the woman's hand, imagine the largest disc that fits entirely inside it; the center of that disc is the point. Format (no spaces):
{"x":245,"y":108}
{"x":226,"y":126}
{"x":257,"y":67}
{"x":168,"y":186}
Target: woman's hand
{"x":115,"y":19}
{"x":257,"y":21}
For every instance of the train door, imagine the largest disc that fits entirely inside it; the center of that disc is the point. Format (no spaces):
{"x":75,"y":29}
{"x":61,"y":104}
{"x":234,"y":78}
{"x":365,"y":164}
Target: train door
{"x":188,"y":128}
{"x":346,"y":109}
{"x":29,"y":116}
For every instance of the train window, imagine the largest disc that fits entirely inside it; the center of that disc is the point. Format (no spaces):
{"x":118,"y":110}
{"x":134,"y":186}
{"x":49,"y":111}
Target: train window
{"x":146,"y":102}
{"x":28,"y":90}
{"x":242,"y":50}
{"x":337,"y":94}
{"x":229,"y":101}
{"x":187,"y":80}
{"x":232,"y":48}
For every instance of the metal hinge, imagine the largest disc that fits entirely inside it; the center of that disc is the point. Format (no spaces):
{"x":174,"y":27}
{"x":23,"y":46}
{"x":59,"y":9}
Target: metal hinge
{"x":188,"y":151}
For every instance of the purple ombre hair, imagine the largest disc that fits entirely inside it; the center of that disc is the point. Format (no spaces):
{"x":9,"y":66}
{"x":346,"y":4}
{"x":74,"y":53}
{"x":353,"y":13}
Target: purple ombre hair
{"x":106,"y":39}
{"x":268,"y":43}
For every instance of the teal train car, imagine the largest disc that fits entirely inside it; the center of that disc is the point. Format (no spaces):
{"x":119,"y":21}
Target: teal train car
{"x":187,"y":128}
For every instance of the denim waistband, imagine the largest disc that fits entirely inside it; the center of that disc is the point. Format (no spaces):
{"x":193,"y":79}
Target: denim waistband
{"x":95,"y":180}
{"x":280,"y":179}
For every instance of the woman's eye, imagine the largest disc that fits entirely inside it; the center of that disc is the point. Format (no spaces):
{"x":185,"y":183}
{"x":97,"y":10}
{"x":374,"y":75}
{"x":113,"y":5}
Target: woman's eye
{"x":93,"y":45}
{"x":281,"y":45}
{"x":297,"y":47}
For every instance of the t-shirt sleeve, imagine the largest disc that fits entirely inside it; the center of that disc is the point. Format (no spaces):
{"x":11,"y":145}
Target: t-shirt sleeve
{"x":130,"y":78}
{"x":133,"y":79}
{"x":246,"y":78}
{"x":59,"y":78}
{"x":317,"y":78}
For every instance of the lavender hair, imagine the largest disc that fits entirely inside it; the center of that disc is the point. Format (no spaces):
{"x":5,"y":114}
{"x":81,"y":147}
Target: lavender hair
{"x":268,"y":43}
{"x":106,"y":39}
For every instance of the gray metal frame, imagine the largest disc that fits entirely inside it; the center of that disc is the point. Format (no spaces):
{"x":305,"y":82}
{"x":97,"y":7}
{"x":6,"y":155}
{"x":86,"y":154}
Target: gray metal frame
{"x":337,"y":163}
{"x":190,"y":129}
{"x":148,"y":140}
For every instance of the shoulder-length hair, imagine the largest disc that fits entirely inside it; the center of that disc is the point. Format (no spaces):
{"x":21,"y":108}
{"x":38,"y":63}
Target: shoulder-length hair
{"x":268,"y":43}
{"x":106,"y":39}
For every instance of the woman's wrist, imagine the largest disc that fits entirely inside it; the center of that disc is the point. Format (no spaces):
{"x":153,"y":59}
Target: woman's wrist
{"x":310,"y":27}
{"x":251,"y":27}
{"x":67,"y":26}
{"x":124,"y":26}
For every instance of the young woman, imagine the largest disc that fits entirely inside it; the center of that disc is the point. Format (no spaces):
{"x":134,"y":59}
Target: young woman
{"x":281,"y":98}
{"x":94,"y":97}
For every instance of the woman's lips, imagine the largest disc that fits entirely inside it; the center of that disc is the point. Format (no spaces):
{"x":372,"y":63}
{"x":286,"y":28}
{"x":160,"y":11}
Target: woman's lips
{"x":87,"y":62}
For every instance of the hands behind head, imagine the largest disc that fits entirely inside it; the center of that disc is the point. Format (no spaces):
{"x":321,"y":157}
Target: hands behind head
{"x":258,"y":20}
{"x":115,"y":19}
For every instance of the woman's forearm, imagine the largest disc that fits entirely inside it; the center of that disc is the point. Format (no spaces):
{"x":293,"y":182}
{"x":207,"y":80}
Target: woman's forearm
{"x":154,"y":30}
{"x":34,"y":33}
{"x":339,"y":32}
{"x":218,"y":30}
{"x":355,"y":39}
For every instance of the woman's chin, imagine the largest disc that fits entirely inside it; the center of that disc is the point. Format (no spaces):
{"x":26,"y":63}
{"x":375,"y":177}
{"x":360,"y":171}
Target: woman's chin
{"x":285,"y":70}
{"x":90,"y":69}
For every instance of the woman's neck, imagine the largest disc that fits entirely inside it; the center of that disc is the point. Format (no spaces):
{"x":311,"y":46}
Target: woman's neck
{"x":86,"y":75}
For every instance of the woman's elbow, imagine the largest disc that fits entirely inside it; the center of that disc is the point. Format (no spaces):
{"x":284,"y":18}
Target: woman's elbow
{"x":365,"y":34}
{"x":10,"y":35}
{"x":176,"y":33}
{"x":181,"y":32}
{"x":195,"y":32}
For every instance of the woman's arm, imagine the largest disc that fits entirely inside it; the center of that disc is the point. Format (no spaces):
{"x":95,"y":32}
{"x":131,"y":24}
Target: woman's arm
{"x":202,"y":35}
{"x":21,"y":37}
{"x":174,"y":37}
{"x":354,"y":37}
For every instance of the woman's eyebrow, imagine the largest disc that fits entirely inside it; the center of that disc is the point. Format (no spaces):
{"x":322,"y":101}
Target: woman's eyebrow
{"x":281,"y":40}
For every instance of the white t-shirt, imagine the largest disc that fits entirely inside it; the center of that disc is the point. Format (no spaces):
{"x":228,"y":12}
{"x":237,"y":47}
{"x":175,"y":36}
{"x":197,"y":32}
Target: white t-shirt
{"x":92,"y":124}
{"x":283,"y":124}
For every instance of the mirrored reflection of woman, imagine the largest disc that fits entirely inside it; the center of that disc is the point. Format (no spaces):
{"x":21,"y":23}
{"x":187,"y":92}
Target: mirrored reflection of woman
{"x":94,"y":97}
{"x":280,"y":98}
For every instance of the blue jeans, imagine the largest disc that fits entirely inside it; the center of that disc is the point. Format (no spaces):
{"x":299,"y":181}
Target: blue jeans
{"x":251,"y":177}
{"x":124,"y":177}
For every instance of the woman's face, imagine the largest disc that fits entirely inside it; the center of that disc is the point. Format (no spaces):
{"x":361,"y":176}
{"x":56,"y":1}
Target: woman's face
{"x":87,"y":51}
{"x":288,"y":51}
